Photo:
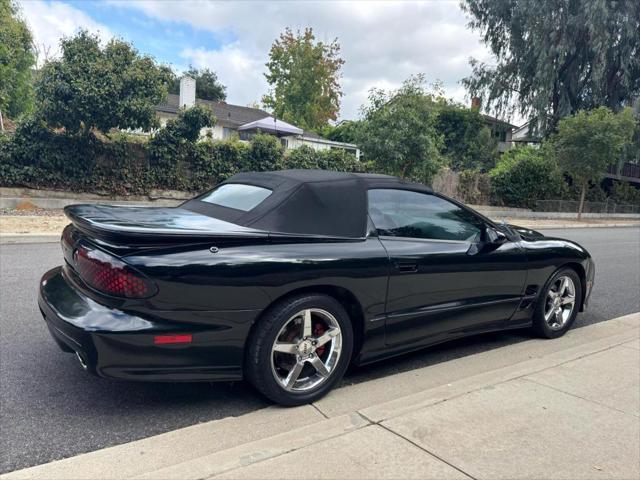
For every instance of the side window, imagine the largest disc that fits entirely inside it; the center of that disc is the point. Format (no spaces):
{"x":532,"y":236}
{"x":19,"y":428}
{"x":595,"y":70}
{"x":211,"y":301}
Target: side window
{"x":403,"y":213}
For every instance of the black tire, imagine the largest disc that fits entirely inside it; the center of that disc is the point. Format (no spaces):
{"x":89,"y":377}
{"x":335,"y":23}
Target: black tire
{"x":540,"y":326}
{"x":258,"y":361}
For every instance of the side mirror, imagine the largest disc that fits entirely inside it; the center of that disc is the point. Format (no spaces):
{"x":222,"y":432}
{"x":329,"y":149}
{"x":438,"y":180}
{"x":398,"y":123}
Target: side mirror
{"x":493,"y":236}
{"x":490,"y":239}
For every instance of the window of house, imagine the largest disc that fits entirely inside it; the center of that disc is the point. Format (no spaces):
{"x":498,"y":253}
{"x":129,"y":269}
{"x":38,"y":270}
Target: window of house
{"x":228,"y":132}
{"x":237,"y":195}
{"x":403,"y":213}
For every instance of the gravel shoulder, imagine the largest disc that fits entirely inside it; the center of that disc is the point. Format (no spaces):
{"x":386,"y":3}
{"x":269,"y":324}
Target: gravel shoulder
{"x":49,"y":224}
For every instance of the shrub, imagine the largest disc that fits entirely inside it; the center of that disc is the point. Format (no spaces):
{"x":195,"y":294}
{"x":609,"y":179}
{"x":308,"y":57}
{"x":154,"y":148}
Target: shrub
{"x":266,"y":153}
{"x":625,"y":193}
{"x":467,"y":141}
{"x":175,"y":143}
{"x":524,"y":175}
{"x":301,"y":157}
{"x":215,"y":161}
{"x":38,"y":157}
{"x":332,"y":159}
{"x":474,"y":187}
{"x":339,"y":160}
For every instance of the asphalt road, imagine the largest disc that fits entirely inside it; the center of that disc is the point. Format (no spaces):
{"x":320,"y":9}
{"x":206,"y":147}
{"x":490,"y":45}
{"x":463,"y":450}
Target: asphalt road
{"x":51,"y":409}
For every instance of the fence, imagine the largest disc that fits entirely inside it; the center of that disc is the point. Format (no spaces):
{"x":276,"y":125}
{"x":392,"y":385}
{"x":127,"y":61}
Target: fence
{"x":571,"y":206}
{"x":628,"y":169}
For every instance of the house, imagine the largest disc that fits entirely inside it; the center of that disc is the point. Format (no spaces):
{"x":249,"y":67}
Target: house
{"x":244,"y":122}
{"x":500,"y":129}
{"x":622,"y":171}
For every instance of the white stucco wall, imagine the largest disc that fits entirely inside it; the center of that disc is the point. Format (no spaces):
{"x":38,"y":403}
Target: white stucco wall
{"x":295,"y":142}
{"x":216,"y":132}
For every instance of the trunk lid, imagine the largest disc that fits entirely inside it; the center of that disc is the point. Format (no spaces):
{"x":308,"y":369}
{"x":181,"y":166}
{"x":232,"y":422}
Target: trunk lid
{"x":154,"y":226}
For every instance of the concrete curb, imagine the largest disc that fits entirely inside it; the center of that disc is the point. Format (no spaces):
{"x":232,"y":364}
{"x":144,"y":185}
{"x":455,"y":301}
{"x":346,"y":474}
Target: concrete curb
{"x":213,"y":448}
{"x":582,"y":225}
{"x":24,"y":238}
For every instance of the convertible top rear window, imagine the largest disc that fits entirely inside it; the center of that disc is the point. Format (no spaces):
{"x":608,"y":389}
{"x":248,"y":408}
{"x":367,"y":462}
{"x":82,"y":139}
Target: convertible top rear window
{"x":306,"y":202}
{"x":237,"y":196}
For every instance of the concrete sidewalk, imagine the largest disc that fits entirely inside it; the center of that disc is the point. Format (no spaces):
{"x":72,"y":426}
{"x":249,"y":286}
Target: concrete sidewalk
{"x":562,"y":409}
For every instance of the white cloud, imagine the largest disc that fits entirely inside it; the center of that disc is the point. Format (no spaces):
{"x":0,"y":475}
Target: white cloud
{"x":383,"y":43}
{"x":241,"y":73}
{"x":50,"y":21}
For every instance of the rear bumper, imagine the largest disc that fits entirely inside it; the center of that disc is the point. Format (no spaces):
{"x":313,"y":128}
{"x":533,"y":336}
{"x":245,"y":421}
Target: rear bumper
{"x":115,"y":344}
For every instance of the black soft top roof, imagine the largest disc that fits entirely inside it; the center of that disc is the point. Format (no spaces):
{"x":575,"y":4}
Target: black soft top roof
{"x":308,"y":202}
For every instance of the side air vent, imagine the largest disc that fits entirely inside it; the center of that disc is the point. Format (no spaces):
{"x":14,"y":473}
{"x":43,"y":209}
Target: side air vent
{"x":530,"y":294}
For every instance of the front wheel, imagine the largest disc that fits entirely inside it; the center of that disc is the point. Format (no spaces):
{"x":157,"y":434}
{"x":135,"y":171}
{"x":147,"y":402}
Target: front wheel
{"x":300,"y":349}
{"x":558,"y":305}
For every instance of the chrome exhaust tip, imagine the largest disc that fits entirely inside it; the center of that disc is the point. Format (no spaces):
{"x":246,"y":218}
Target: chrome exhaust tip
{"x":83,"y":364}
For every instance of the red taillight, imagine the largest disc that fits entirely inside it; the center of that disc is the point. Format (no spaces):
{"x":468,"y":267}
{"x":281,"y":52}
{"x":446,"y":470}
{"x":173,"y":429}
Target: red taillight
{"x":169,"y":339}
{"x":110,"y":276}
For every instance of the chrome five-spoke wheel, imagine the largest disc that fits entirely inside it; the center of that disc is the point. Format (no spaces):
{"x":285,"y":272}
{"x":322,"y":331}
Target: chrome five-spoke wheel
{"x":560,"y":302}
{"x":306,"y":350}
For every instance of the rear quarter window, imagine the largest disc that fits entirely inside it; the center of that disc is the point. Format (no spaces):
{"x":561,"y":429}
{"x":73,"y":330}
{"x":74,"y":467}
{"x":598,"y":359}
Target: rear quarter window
{"x":237,"y":196}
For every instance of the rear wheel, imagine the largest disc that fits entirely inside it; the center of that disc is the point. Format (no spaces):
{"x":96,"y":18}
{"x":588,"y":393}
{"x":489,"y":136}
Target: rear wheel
{"x":300,"y":349}
{"x":558,"y":305}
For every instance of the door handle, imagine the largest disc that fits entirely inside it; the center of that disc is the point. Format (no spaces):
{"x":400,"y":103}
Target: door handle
{"x":406,"y":267}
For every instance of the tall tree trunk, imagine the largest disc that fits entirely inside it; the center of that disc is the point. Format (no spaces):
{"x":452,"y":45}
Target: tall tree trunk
{"x":1,"y":123}
{"x":403,"y":170}
{"x":582,"y":195}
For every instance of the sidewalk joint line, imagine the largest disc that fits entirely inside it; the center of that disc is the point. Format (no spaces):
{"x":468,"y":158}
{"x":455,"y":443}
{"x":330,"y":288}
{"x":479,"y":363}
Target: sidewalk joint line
{"x":319,"y":411}
{"x":271,"y":457}
{"x":579,"y":397}
{"x":627,"y":347}
{"x":425,"y":450}
{"x":367,"y":419}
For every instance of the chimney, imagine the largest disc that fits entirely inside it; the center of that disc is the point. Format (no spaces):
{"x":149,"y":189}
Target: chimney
{"x":475,"y":103}
{"x":187,"y":92}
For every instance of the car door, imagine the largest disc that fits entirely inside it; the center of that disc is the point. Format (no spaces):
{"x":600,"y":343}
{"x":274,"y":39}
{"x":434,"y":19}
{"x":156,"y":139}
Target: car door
{"x":439,"y":286}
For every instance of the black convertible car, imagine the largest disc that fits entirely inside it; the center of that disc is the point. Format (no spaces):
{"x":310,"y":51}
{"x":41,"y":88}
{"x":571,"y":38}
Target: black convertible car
{"x":285,"y":278}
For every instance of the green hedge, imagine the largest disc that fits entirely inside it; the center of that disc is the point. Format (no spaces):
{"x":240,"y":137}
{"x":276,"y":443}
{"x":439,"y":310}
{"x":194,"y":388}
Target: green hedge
{"x":37,"y":157}
{"x":526,"y":174}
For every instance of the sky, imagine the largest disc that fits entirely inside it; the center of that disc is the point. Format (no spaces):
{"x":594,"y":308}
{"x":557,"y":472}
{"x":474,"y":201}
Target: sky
{"x":382,"y":43}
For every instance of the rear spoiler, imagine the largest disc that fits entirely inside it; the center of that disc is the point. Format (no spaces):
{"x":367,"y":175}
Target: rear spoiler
{"x":153,"y":226}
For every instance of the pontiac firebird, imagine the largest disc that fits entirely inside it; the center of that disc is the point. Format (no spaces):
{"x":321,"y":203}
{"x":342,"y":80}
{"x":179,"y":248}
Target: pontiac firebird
{"x":286,"y":278}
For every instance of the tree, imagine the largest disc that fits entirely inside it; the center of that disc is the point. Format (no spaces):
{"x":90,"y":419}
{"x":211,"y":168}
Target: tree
{"x":398,"y":133}
{"x":556,"y":57}
{"x":632,"y":150}
{"x":346,"y":131}
{"x":16,"y":62}
{"x":304,"y":76}
{"x":467,"y":141}
{"x":208,"y":87}
{"x":176,"y":142}
{"x":92,"y":86}
{"x":589,"y":141}
{"x":526,"y":174}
